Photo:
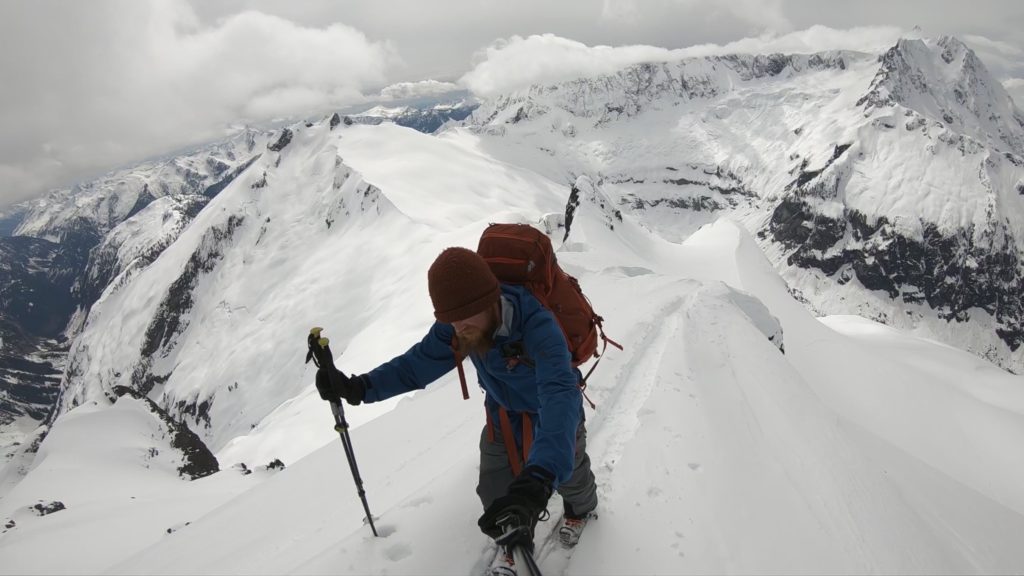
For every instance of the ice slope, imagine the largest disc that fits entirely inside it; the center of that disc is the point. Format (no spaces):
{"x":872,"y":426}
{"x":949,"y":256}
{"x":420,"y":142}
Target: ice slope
{"x":714,"y":451}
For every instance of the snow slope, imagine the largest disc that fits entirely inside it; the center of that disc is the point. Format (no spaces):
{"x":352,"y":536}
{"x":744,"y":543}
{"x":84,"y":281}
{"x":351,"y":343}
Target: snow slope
{"x":885,"y":185}
{"x":860,"y":449}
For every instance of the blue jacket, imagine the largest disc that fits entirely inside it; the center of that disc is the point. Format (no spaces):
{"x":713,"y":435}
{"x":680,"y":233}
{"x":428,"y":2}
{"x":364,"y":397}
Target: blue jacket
{"x":548,"y":390}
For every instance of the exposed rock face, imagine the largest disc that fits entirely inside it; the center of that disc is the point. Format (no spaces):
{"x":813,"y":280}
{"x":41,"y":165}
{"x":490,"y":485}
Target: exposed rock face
{"x":952,"y":273}
{"x":196,"y":459}
{"x":171,"y":317}
{"x":959,"y":264}
{"x":47,"y":508}
{"x":282,"y":141}
{"x":71,"y":245}
{"x":584,"y":190}
{"x":430,"y":120}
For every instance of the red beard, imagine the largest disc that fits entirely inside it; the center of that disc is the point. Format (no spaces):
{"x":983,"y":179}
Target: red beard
{"x":477,"y":341}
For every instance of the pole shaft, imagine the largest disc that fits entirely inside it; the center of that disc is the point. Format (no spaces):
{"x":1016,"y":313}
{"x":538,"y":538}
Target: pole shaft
{"x":350,"y":455}
{"x":321,"y":354}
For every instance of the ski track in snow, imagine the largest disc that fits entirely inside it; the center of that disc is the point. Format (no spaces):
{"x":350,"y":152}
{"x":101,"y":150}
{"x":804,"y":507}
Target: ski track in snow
{"x":613,"y":428}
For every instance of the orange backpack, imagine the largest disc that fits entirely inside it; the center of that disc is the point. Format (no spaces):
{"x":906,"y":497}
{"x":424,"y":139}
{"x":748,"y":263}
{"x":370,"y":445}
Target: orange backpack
{"x":521,"y":254}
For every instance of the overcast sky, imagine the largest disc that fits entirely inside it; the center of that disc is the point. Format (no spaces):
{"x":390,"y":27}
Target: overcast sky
{"x":92,"y":86}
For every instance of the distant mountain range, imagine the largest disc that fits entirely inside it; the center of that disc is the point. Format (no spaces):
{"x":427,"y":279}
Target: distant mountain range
{"x":887,"y":185}
{"x":62,"y":251}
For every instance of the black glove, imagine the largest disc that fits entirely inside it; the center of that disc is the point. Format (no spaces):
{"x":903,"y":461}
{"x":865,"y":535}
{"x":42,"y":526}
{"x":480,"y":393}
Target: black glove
{"x":333,"y":385}
{"x":526,"y":500}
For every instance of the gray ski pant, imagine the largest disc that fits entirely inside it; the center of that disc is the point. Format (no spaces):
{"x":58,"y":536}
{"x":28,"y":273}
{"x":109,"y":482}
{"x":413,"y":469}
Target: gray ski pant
{"x":579,"y":494}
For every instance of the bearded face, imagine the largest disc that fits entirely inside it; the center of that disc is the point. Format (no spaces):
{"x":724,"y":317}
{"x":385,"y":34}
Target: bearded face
{"x":476,"y":333}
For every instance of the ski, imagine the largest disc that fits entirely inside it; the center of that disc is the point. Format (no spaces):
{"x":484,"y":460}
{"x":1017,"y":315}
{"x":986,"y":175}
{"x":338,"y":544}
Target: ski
{"x":485,"y":564}
{"x":552,"y":554}
{"x":549,"y":546}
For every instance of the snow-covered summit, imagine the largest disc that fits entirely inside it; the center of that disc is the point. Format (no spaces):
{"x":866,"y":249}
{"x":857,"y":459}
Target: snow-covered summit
{"x":389,"y":113}
{"x":106,"y":202}
{"x":842,"y":162}
{"x":944,"y":81}
{"x":638,"y":87}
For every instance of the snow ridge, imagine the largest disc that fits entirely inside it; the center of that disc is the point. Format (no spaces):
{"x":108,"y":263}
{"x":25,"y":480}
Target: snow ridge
{"x":634,"y":89}
{"x":900,"y":175}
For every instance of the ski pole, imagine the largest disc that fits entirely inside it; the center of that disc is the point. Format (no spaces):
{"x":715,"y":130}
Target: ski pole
{"x":320,"y":353}
{"x":520,"y":554}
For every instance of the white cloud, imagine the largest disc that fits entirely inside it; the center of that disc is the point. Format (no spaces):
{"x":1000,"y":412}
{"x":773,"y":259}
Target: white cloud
{"x":1003,"y":48}
{"x":758,"y":15}
{"x":88,"y":86}
{"x":1015,"y":86}
{"x":1004,"y":60}
{"x":403,"y":90}
{"x":110,"y":82}
{"x":620,"y":11}
{"x":813,"y":39}
{"x":762,"y":15}
{"x":518,"y":62}
{"x":267,"y":65}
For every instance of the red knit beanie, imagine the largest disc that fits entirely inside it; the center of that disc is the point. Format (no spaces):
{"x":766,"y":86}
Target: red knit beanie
{"x":461,"y":284}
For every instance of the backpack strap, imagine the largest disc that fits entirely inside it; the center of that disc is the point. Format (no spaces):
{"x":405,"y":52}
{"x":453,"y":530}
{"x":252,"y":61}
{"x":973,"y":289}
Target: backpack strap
{"x":510,"y":440}
{"x":458,"y":364}
{"x":583,"y":383}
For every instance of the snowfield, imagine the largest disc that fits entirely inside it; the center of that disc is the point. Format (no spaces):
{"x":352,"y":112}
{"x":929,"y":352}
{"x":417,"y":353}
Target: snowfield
{"x":736,"y":433}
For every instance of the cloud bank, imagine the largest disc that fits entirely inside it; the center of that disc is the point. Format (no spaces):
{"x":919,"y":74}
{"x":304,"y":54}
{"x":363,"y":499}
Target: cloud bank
{"x":92,"y":86}
{"x":518,"y":62}
{"x":108,"y":82}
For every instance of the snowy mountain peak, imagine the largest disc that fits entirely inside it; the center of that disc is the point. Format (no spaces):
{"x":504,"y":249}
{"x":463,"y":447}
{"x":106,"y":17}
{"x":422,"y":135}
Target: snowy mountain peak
{"x":423,"y":118}
{"x":385,"y":112}
{"x":640,"y":87}
{"x":944,"y":81}
{"x":104,"y":203}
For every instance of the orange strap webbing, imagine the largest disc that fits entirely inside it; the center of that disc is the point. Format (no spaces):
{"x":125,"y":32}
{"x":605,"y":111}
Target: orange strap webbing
{"x":607,"y":341}
{"x":458,"y":364}
{"x":510,"y":440}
